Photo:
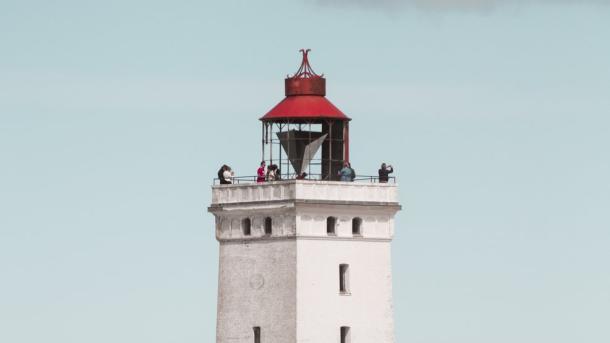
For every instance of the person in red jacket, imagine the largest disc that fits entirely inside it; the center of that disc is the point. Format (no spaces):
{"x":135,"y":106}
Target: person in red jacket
{"x":260,"y":173}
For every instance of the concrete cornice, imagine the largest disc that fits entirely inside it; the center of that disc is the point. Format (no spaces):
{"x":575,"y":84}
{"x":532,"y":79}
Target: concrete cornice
{"x":275,"y":204}
{"x":268,"y":239}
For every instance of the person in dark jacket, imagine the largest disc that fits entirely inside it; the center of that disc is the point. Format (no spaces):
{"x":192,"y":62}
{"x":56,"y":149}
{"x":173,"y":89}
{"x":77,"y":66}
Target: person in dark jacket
{"x":384,"y":173}
{"x":221,"y":176}
{"x":353,"y":175}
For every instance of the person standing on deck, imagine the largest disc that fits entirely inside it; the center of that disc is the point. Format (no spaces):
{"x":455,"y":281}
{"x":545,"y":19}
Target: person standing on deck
{"x":271,"y":172}
{"x":346,"y":173}
{"x":260,"y":173}
{"x":384,"y":172}
{"x":221,"y":176}
{"x":227,"y":175}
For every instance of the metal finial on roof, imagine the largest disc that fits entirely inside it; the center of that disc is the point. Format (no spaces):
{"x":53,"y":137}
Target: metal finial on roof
{"x":305,"y":81}
{"x":305,"y":71}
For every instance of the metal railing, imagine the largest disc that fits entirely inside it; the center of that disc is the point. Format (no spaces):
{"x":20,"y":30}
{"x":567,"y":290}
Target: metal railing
{"x":374,"y":179}
{"x":252,"y":179}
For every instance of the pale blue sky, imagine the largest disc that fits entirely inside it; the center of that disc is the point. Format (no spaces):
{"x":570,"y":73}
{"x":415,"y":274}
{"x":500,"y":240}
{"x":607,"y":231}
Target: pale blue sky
{"x":115,"y":115}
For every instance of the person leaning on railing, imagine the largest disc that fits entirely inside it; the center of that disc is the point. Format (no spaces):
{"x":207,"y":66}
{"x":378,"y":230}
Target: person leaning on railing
{"x":384,"y":173}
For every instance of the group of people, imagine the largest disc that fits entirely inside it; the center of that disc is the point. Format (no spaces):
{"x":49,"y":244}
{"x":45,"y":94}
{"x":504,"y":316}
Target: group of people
{"x":347,"y":173}
{"x":272,"y":173}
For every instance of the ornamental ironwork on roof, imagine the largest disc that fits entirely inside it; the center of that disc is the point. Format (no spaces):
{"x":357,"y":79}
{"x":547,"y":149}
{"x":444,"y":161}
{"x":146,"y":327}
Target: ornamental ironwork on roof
{"x":305,"y":97}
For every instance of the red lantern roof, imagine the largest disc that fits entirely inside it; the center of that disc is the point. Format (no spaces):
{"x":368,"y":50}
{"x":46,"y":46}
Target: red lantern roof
{"x":305,"y":97}
{"x":304,"y":106}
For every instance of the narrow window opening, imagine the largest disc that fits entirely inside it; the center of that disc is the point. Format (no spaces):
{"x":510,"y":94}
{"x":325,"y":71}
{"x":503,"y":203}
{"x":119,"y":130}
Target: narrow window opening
{"x":257,"y":334}
{"x":268,"y":226}
{"x":357,"y":226}
{"x":345,"y":334}
{"x":344,"y":278}
{"x":246,"y":226}
{"x":331,"y":224}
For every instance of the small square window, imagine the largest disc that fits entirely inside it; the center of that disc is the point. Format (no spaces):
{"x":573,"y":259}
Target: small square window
{"x":268,"y":226}
{"x":346,"y":334}
{"x":246,"y":225}
{"x":357,"y":226}
{"x":257,"y":334}
{"x":331,"y":226}
{"x":344,"y":278}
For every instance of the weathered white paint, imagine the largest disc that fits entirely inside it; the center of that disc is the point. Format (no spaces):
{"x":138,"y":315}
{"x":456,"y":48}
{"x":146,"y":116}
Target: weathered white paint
{"x":256,"y":287}
{"x":288,"y":282}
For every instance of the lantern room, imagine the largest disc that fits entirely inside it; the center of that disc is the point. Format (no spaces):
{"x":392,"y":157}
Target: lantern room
{"x":305,"y":132}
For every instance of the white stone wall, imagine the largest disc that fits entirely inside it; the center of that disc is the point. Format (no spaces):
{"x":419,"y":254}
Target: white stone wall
{"x":322,"y":310}
{"x":256,"y":287}
{"x":311,"y":222}
{"x":288,"y":282}
{"x":229,"y":226}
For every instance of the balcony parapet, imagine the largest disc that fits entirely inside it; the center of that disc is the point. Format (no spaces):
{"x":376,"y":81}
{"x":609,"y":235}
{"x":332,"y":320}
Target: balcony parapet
{"x":305,"y":190}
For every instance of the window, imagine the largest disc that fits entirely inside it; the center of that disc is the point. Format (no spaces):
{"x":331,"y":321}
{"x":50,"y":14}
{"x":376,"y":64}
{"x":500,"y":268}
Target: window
{"x":268,"y":224}
{"x":345,"y":334}
{"x":245,"y":226}
{"x":356,"y":226}
{"x":344,"y":278}
{"x":331,"y":224}
{"x":257,"y":334}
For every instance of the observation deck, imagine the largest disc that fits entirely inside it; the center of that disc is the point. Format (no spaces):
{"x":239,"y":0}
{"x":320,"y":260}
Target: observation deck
{"x":302,"y":209}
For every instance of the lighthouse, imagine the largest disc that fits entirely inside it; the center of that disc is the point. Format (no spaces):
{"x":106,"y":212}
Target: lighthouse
{"x":306,"y":258}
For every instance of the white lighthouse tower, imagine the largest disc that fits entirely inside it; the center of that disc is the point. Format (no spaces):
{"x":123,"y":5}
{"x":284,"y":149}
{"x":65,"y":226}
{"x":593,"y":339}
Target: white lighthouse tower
{"x":305,"y":260}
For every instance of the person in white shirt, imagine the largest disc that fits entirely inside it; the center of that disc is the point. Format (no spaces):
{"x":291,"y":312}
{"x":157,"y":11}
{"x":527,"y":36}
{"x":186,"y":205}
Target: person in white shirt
{"x":271,"y":172}
{"x":227,"y":175}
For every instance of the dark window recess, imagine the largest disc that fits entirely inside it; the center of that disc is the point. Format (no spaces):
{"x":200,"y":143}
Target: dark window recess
{"x":344,"y":278}
{"x":268,"y":226}
{"x":331,"y":224}
{"x":246,"y":225}
{"x":257,"y":334}
{"x":357,"y":226}
{"x":345,"y":334}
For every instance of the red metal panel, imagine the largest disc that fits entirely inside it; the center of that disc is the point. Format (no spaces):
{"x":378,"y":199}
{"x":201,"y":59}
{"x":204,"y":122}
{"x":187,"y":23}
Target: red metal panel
{"x":304,"y":107}
{"x":309,"y":86}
